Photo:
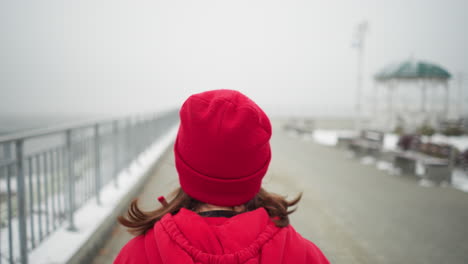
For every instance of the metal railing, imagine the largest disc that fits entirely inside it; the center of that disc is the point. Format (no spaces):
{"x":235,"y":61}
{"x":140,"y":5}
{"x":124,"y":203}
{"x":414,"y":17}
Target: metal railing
{"x":47,"y":174}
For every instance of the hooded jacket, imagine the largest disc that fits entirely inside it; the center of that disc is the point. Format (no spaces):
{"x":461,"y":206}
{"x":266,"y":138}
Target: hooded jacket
{"x":247,"y":238}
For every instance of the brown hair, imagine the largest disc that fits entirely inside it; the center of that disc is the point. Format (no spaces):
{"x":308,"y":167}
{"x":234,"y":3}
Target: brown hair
{"x":139,"y":222}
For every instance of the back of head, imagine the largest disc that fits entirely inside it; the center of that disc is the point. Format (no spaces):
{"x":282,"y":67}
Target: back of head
{"x":222,"y":150}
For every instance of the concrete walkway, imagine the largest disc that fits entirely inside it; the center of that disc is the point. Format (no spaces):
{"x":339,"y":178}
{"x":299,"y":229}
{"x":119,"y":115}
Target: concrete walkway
{"x":354,"y":212}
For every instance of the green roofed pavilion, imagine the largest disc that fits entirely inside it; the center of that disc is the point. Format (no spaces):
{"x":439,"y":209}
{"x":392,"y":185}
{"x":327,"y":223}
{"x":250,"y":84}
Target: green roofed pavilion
{"x":412,"y":70}
{"x":428,"y":77}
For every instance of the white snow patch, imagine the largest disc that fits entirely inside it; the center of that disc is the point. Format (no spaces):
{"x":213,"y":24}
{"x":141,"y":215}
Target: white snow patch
{"x":460,"y":180}
{"x":325,"y":137}
{"x":461,"y":142}
{"x":330,"y":137}
{"x":384,"y":165}
{"x":62,"y":245}
{"x":390,"y":142}
{"x":388,"y":167}
{"x":420,"y":169}
{"x":4,"y":185}
{"x":367,"y":160}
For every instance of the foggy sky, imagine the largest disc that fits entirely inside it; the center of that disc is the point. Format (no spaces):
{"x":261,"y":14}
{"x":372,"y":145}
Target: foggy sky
{"x":108,"y":56}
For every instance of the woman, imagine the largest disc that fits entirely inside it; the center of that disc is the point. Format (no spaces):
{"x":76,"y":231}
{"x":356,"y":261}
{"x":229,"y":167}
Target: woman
{"x":220,"y":214}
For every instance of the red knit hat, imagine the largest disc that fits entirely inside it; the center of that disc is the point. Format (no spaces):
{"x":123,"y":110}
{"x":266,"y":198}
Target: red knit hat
{"x":222,"y":150}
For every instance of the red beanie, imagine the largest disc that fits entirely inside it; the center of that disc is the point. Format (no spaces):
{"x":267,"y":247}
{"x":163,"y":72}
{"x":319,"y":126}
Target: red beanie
{"x":222,"y":150}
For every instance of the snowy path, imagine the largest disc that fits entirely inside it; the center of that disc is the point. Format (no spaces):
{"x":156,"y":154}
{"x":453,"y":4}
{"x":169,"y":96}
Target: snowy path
{"x":356,"y":213}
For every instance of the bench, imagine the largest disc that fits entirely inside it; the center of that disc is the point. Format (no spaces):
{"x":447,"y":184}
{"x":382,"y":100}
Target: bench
{"x":369,"y":142}
{"x":436,"y":159}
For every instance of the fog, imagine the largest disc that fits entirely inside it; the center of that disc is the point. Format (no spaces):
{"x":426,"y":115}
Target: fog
{"x":116,"y":57}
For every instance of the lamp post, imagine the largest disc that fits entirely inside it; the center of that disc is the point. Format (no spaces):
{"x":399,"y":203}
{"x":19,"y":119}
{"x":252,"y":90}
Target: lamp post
{"x":358,"y":43}
{"x":460,"y":94}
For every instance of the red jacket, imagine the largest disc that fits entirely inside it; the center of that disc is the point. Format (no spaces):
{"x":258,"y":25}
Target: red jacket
{"x":248,"y":238}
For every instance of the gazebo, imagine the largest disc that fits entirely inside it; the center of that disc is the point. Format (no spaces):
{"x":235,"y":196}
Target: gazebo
{"x":409,"y":75}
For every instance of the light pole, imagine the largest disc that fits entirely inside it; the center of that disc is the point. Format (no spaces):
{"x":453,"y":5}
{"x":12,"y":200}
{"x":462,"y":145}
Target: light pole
{"x":358,"y":43}
{"x":460,"y":94}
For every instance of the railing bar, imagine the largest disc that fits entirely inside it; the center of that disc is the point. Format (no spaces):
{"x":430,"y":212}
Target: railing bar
{"x":90,"y":163}
{"x":97,"y":163}
{"x":70,"y":182}
{"x":88,"y":173}
{"x":81,"y":172}
{"x":127,"y":142}
{"x":46,"y":191}
{"x":76,"y":183}
{"x":82,"y":183}
{"x":63,"y":161}
{"x":38,"y":195}
{"x":91,"y":171}
{"x":52,"y":186}
{"x":10,"y":216}
{"x":81,"y":180}
{"x":31,"y":201}
{"x":77,"y":174}
{"x":84,"y":196}
{"x":21,"y":202}
{"x":59,"y":183}
{"x":2,"y":172}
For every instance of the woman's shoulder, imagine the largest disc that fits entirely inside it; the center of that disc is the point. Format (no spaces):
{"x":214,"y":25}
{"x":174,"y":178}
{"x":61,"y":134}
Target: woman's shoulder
{"x":288,"y":242}
{"x":133,"y":252}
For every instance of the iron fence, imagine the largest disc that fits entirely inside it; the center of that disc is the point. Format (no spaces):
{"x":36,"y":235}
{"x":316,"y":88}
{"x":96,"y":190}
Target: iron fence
{"x":47,"y":174}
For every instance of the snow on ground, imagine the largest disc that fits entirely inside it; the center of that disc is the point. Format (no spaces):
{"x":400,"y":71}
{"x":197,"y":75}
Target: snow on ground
{"x":461,"y":142}
{"x":4,"y":185}
{"x":326,"y":137}
{"x":62,"y":245}
{"x":330,"y":137}
{"x":390,"y":142}
{"x":459,"y":177}
{"x":460,"y":180}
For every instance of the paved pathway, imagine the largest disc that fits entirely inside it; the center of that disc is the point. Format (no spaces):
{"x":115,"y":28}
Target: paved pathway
{"x":354,"y":212}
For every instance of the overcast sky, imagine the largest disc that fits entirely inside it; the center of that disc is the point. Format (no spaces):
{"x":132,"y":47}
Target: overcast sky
{"x":107,"y":56}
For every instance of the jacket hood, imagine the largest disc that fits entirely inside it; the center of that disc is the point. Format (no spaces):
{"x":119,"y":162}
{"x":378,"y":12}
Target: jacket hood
{"x":213,"y":240}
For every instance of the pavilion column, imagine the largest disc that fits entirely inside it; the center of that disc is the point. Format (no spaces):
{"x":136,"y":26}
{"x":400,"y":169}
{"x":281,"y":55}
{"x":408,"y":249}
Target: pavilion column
{"x":424,"y":96}
{"x":390,"y":89}
{"x":446,"y":101}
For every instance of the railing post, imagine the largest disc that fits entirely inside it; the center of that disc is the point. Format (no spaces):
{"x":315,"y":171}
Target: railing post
{"x":115,"y":133}
{"x":97,"y":163}
{"x":6,"y":147}
{"x":70,"y":182}
{"x":135,"y":137}
{"x":21,"y":202}
{"x":128,"y":138}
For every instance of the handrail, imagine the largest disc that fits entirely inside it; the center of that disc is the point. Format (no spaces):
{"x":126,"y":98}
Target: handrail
{"x":39,"y":132}
{"x":45,"y":187}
